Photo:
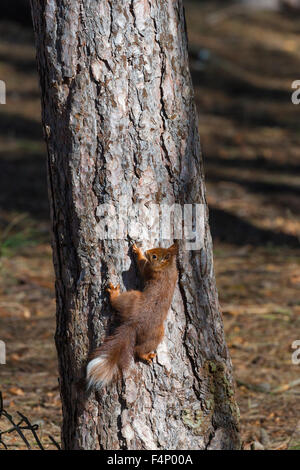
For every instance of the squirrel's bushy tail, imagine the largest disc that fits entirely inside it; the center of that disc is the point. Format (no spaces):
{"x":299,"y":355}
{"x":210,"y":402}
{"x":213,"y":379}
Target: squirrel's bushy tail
{"x":112,"y":357}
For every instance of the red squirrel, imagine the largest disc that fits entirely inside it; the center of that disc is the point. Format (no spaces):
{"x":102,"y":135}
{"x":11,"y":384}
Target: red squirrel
{"x":141,"y":314}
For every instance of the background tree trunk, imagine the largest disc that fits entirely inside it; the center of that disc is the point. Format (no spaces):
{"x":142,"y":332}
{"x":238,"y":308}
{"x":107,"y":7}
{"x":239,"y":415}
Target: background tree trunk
{"x":119,"y":118}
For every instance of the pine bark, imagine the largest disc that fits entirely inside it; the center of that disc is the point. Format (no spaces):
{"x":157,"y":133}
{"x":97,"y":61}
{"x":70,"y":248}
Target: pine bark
{"x":119,"y":118}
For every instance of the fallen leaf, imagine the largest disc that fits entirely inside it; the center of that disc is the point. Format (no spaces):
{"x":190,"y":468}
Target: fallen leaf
{"x":16,"y":391}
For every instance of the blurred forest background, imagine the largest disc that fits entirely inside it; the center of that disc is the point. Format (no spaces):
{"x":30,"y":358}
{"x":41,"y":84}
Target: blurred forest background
{"x":243,"y":60}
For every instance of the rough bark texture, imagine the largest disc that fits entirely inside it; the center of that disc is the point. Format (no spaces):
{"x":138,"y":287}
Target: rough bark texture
{"x":119,"y":118}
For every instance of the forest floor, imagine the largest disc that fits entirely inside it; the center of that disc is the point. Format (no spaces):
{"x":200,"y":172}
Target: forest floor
{"x":242,"y":66}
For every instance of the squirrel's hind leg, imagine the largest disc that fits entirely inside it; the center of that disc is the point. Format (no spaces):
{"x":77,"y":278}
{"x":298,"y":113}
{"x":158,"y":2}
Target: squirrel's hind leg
{"x":126,"y":303}
{"x":146,"y":357}
{"x":145,"y":349}
{"x":113,"y":291}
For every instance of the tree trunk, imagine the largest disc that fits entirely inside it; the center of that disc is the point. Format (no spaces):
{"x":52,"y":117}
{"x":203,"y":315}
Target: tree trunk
{"x":119,"y":119}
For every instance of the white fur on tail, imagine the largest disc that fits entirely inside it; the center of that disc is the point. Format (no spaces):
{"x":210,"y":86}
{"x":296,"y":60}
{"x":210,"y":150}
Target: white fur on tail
{"x":100,"y":371}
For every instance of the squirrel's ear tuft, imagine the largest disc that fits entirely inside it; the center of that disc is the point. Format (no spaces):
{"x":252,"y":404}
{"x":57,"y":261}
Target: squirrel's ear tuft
{"x":174,"y":248}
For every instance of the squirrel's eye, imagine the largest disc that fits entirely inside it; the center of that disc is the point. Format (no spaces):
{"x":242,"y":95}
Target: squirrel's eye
{"x":167,"y":257}
{"x":154,"y":256}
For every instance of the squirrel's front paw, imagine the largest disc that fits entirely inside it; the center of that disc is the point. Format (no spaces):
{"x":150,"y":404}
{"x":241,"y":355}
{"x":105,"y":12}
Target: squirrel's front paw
{"x":135,"y":248}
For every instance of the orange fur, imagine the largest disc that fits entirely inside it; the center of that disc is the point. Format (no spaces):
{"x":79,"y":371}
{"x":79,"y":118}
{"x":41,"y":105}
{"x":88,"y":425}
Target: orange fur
{"x":142,"y":316}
